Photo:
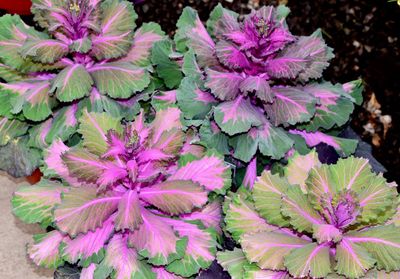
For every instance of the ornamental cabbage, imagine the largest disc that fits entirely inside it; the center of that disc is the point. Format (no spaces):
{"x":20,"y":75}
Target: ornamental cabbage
{"x":87,"y":56}
{"x":132,"y":201}
{"x":252,"y":85}
{"x":318,"y":221}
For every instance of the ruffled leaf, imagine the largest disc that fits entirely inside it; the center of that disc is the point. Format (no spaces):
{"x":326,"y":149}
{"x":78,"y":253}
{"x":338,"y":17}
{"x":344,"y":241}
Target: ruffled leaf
{"x":259,"y":86}
{"x":35,"y":204}
{"x":129,"y":214}
{"x":44,"y":51}
{"x":10,"y":129}
{"x":224,"y":85}
{"x":233,"y":262}
{"x":45,"y":251}
{"x":81,"y":210}
{"x":72,"y":83}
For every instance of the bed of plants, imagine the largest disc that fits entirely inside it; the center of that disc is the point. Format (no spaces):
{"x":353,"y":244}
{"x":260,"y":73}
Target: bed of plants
{"x":162,"y":156}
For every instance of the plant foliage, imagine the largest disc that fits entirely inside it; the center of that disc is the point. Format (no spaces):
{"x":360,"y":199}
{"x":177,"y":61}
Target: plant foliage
{"x":318,"y":221}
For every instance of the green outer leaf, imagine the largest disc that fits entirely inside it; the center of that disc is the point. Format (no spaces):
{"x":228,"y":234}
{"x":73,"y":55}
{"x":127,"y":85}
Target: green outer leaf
{"x":94,"y":127}
{"x":267,"y":194}
{"x":35,"y":204}
{"x":191,"y":69}
{"x":10,"y":129}
{"x":213,"y":137}
{"x":166,"y":68}
{"x":72,"y":83}
{"x":119,"y":79}
{"x":311,"y":260}
{"x":233,"y":262}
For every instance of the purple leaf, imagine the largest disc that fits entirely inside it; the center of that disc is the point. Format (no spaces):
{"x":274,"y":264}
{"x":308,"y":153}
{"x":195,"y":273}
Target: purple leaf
{"x":224,"y":85}
{"x":231,"y":56}
{"x":45,"y":250}
{"x":259,"y":86}
{"x":129,"y":214}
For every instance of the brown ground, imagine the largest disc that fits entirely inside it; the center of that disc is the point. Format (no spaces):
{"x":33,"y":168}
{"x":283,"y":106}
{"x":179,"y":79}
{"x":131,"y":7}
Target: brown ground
{"x":14,"y":235}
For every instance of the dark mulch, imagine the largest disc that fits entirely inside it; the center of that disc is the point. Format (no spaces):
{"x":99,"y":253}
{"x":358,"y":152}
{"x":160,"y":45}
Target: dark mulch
{"x":365,"y":36}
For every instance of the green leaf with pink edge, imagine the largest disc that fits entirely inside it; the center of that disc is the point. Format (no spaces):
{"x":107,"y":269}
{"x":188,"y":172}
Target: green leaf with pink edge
{"x":212,"y":136}
{"x":354,"y":89}
{"x":82,"y":210}
{"x":119,"y":79}
{"x":88,"y":247}
{"x":382,"y":242}
{"x":311,"y":260}
{"x":192,"y":34}
{"x":45,"y":250}
{"x":94,"y":127}
{"x":46,"y":51}
{"x":156,"y":240}
{"x":298,"y":208}
{"x":299,"y":166}
{"x":194,"y":102}
{"x":72,"y":83}
{"x":163,"y":99}
{"x":241,"y":217}
{"x":35,"y":204}
{"x":211,"y":172}
{"x":268,"y":192}
{"x":223,"y":85}
{"x":291,"y":106}
{"x":344,"y":147}
{"x":175,"y":196}
{"x":143,"y":41}
{"x":237,"y":116}
{"x":200,"y":250}
{"x":166,"y":67}
{"x":122,"y":262}
{"x":10,"y":129}
{"x":268,"y":249}
{"x":222,"y":21}
{"x":352,"y":259}
{"x":116,"y":30}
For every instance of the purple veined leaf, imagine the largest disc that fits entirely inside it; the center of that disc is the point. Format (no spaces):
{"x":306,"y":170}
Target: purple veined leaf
{"x":311,"y":260}
{"x":286,"y":67}
{"x":251,"y":174}
{"x":344,"y":147}
{"x":210,"y":216}
{"x":143,"y":40}
{"x":116,"y":146}
{"x":94,"y":128}
{"x":175,"y":196}
{"x":200,"y":250}
{"x":168,"y":145}
{"x":45,"y":251}
{"x":192,"y":33}
{"x":222,"y":22}
{"x":44,"y":51}
{"x":124,"y":260}
{"x":352,"y":259}
{"x":223,"y":85}
{"x":291,"y":106}
{"x":156,"y":154}
{"x":82,"y":210}
{"x":156,"y":240}
{"x":237,"y":116}
{"x":268,"y":249}
{"x":259,"y":86}
{"x":34,"y":100}
{"x":231,"y":56}
{"x":88,"y":272}
{"x":163,"y":99}
{"x":210,"y":172}
{"x":162,"y":273}
{"x":278,"y":39}
{"x":117,"y":22}
{"x":327,"y":233}
{"x":165,"y":120}
{"x":129,"y":212}
{"x":72,"y":83}
{"x":298,"y":208}
{"x":382,"y":242}
{"x":242,"y":218}
{"x":89,"y":168}
{"x":84,"y":246}
{"x":34,"y":204}
{"x":119,"y":79}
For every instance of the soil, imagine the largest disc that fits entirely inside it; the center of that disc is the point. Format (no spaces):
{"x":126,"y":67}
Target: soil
{"x":365,"y":37}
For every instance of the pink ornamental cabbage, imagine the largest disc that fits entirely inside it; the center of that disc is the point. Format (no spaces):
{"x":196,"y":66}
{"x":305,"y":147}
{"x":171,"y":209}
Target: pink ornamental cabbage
{"x":134,"y":201}
{"x":316,"y":221}
{"x":254,"y":85}
{"x":87,"y":56}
